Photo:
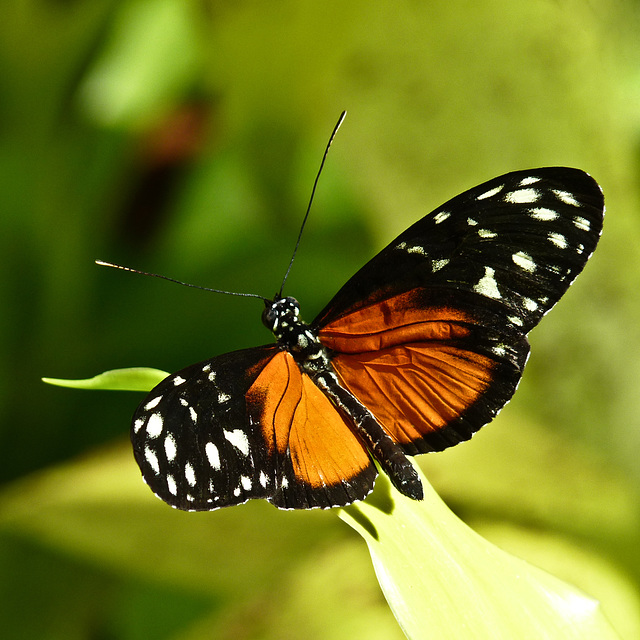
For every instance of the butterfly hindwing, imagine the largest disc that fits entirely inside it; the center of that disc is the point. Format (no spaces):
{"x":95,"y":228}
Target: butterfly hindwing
{"x":431,"y":367}
{"x":320,"y":460}
{"x":245,"y":425}
{"x":430,"y":335}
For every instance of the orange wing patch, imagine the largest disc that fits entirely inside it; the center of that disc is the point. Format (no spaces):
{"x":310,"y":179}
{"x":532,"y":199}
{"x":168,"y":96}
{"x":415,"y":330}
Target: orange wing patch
{"x":417,"y":388}
{"x":404,"y":362}
{"x":296,"y":417}
{"x":398,"y":320}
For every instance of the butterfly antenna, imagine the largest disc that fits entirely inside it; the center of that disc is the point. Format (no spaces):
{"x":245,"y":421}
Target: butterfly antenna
{"x":313,"y":191}
{"x":102,"y":263}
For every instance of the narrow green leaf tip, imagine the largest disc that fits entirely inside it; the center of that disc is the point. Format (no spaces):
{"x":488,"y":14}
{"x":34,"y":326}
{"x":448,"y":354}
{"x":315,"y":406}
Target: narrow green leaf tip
{"x":132,"y":379}
{"x":443,"y":580}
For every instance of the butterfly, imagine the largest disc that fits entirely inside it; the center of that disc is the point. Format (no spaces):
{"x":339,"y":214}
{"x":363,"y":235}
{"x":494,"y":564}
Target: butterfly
{"x":418,"y":350}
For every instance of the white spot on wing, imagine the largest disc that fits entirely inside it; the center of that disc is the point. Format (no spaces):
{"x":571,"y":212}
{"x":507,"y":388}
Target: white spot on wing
{"x":236,"y":492}
{"x":515,"y":320}
{"x":543,"y":214}
{"x":238,"y":439}
{"x":213,"y":455}
{"x":417,"y":249}
{"x":193,"y":414}
{"x":212,"y":376}
{"x":190,"y":474}
{"x":529,"y":180}
{"x":171,"y":485}
{"x":582,"y":223}
{"x":487,"y":285}
{"x":529,"y":304}
{"x":490,"y":193}
{"x":170,"y":447}
{"x":152,"y":459}
{"x":206,"y":368}
{"x":223,"y":397}
{"x":178,"y":380}
{"x":558,"y":239}
{"x":246,"y":482}
{"x":154,"y":425}
{"x":152,"y":403}
{"x":441,"y":216}
{"x":436,"y":265}
{"x":137,"y":425}
{"x":264,"y":479}
{"x":566,"y":197}
{"x":485,"y":233}
{"x":524,"y":261}
{"x":471,"y":222}
{"x":523,"y":196}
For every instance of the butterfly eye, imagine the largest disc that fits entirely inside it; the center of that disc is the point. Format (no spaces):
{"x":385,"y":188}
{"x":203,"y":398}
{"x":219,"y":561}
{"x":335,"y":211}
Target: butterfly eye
{"x":270,"y":316}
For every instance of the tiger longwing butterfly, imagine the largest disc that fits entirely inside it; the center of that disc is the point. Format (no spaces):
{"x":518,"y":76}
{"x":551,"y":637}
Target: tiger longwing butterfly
{"x":418,"y":350}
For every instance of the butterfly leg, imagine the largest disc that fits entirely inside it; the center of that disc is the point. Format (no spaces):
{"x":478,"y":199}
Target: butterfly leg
{"x":384,"y":450}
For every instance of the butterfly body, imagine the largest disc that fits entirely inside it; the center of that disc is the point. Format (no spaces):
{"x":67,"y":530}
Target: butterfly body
{"x":282,"y":317}
{"x":417,"y":351}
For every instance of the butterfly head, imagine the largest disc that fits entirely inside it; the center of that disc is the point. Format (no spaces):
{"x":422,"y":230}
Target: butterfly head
{"x":280,"y":315}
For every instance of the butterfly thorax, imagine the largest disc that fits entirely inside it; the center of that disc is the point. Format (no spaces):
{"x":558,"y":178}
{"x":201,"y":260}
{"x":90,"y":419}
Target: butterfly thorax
{"x":282,"y":318}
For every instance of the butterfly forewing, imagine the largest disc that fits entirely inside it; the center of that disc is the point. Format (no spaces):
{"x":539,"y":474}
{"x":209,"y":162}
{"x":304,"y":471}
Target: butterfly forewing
{"x":520,"y":239}
{"x":192,"y":437}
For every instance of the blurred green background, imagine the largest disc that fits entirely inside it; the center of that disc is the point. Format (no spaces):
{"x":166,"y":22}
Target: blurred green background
{"x":183,"y":137}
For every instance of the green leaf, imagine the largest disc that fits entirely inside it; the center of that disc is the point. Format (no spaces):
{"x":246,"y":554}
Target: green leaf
{"x":442,"y":580}
{"x":132,"y":379}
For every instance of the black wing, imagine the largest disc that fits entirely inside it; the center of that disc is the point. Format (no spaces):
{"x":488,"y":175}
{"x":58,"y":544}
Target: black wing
{"x":519,"y":239}
{"x":247,"y":424}
{"x":192,"y":438}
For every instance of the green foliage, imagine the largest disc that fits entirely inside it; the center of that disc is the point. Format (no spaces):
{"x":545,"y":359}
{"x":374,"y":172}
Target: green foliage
{"x":133,"y":379}
{"x":183,"y":138}
{"x":443,"y":580}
